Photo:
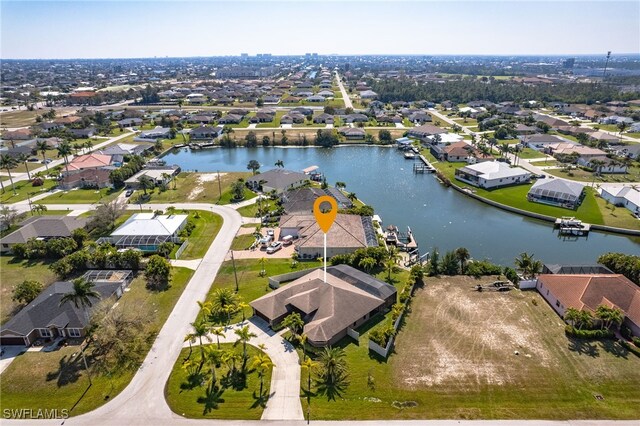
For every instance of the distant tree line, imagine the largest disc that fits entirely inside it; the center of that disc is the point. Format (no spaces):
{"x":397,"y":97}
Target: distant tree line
{"x":466,"y":90}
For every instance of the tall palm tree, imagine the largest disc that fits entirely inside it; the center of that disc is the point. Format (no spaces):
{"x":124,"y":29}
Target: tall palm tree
{"x":22,"y":158}
{"x":572,"y":315}
{"x":523,"y":263}
{"x":214,"y":356}
{"x":145,"y":183}
{"x":200,"y":329}
{"x":333,"y":378}
{"x":244,"y":336}
{"x":391,"y":260}
{"x":262,"y":363}
{"x":65,"y":150}
{"x":224,"y":301}
{"x":242,"y":306}
{"x":7,"y":162}
{"x":218,"y":332}
{"x":310,"y":365}
{"x":81,"y":295}
{"x":42,"y":147}
{"x":367,"y":263}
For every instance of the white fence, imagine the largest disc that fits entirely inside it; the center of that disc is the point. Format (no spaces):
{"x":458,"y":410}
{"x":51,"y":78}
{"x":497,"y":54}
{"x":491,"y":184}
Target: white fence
{"x":354,"y":334}
{"x":528,"y":284}
{"x":383,"y":352}
{"x":181,"y":249}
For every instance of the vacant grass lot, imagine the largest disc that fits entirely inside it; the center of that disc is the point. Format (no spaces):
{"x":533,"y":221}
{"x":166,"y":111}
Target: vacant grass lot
{"x":82,"y":196}
{"x":242,"y":402}
{"x":198,"y":187}
{"x":632,"y":175}
{"x":207,"y":227}
{"x":455,"y":358}
{"x":56,"y":380}
{"x":14,"y":271}
{"x":24,"y":190}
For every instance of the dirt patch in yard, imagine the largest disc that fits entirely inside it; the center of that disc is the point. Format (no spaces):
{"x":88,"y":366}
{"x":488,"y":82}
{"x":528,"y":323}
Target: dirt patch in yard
{"x":202,"y":179}
{"x":468,"y":339}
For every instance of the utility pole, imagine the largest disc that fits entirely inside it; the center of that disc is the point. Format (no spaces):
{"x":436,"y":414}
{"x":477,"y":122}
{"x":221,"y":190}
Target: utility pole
{"x":219,"y":188}
{"x":606,"y":64}
{"x":235,"y":274}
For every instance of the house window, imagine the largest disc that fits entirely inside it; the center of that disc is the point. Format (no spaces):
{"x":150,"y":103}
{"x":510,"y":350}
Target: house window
{"x":547,"y":292}
{"x":73,"y":332}
{"x":557,"y":303}
{"x":45,"y":332}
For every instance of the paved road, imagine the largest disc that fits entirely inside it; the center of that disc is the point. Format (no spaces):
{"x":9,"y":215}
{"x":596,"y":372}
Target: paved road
{"x":345,"y":95}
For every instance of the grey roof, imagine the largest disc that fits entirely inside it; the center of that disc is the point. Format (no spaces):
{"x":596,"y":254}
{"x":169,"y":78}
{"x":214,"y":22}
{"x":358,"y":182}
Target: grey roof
{"x":45,"y":227}
{"x":557,"y":188}
{"x":301,"y":200}
{"x":575,"y":269}
{"x":278,"y":178}
{"x":328,"y":307}
{"x":45,"y":310}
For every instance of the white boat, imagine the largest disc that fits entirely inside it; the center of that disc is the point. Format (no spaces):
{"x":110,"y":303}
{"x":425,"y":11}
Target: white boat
{"x":409,"y":155}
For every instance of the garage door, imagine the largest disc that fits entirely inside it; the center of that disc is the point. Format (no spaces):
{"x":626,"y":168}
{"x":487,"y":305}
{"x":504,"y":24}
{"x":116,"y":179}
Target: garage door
{"x":11,"y":341}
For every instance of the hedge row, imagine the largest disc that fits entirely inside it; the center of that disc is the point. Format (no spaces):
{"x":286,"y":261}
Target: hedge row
{"x":588,"y":334}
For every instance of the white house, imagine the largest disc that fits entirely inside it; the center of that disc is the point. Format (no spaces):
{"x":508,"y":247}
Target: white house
{"x":627,"y":196}
{"x":146,"y":231}
{"x":492,"y":174}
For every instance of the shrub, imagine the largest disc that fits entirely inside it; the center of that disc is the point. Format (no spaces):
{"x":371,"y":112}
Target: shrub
{"x":26,"y":291}
{"x":37,"y":181}
{"x":588,"y":334}
{"x":511,"y":275}
{"x":629,"y":347}
{"x":636,"y":341}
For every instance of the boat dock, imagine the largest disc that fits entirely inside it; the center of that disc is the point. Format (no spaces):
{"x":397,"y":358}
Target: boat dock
{"x":572,"y":226}
{"x":423,"y":166}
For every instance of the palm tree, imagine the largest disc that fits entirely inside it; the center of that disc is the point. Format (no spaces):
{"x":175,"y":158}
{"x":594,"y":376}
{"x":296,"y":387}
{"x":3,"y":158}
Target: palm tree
{"x":622,"y":126}
{"x":367,"y":263}
{"x":145,"y":183}
{"x":263,"y":262}
{"x":390,"y":262}
{"x":333,"y":378}
{"x":200,"y":329}
{"x":242,"y":306}
{"x":8,"y":162}
{"x":572,"y":315}
{"x":341,"y":185}
{"x":263,"y":364}
{"x":230,"y":358}
{"x":65,"y":150}
{"x":523,"y":263}
{"x":42,"y":147}
{"x":87,"y":146}
{"x":225,"y":301}
{"x":279,"y":163}
{"x":244,"y":336}
{"x":218,"y":332}
{"x":310,"y":365}
{"x":352,"y":196}
{"x":463,"y":255}
{"x":294,"y":322}
{"x":81,"y":295}
{"x":597,"y":167}
{"x":214,"y":356}
{"x":22,"y":158}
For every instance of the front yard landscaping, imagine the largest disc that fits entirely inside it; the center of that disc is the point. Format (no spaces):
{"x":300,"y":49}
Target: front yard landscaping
{"x":208,"y":225}
{"x":456,"y":359}
{"x":236,"y":396}
{"x":57,"y":380}
{"x":24,"y":189}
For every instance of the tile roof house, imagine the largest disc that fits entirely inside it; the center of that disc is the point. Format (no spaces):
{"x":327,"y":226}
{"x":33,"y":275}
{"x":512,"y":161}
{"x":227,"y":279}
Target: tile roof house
{"x":277,"y":180}
{"x":492,"y":174}
{"x":45,"y":319}
{"x":588,"y":291}
{"x":88,"y":178}
{"x":421,"y":132}
{"x":557,"y":192}
{"x":89,"y":161}
{"x":42,"y":227}
{"x":348,"y":233}
{"x":345,"y":301}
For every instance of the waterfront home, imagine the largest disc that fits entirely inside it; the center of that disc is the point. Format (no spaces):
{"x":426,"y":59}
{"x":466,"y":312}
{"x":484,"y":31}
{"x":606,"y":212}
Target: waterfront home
{"x":155,"y":133}
{"x":88,"y":162}
{"x":89,"y":178}
{"x":422,"y":132}
{"x":205,"y":132}
{"x":45,"y":319}
{"x":557,"y":192}
{"x":160,"y":175}
{"x":347,"y":234}
{"x":146,"y":231}
{"x":278,"y":180}
{"x":585,"y":292}
{"x":627,"y":196}
{"x":492,"y":174}
{"x":352,"y":133}
{"x":42,"y":228}
{"x":301,"y":200}
{"x":585,"y":152}
{"x":458,"y":152}
{"x":345,"y":301}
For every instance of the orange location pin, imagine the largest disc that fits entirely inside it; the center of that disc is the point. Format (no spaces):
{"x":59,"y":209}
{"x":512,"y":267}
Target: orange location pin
{"x":325,"y":219}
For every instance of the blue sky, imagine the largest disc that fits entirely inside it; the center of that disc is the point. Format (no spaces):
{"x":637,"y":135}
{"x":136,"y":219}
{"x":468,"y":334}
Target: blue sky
{"x":95,"y":29}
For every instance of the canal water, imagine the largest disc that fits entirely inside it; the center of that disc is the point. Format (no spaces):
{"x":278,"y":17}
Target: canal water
{"x":439,"y":217}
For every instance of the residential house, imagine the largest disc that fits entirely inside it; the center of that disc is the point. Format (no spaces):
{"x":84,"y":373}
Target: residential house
{"x":88,"y":178}
{"x":557,"y":192}
{"x":230,"y":119}
{"x":156,"y":133}
{"x":315,"y":98}
{"x":585,"y":292}
{"x":323,"y":119}
{"x":368,"y":94}
{"x":420,"y":117}
{"x":42,"y":228}
{"x":492,"y":174}
{"x":522,"y":129}
{"x":46,"y":318}
{"x":160,"y":175}
{"x":278,"y":180}
{"x":352,"y":133}
{"x":582,"y":151}
{"x":325,"y":94}
{"x":301,"y":200}
{"x":130,"y":122}
{"x":609,"y":165}
{"x":355,"y":118}
{"x":86,"y":133}
{"x":626,"y":196}
{"x":88,"y":161}
{"x":604,"y":137}
{"x":146,"y":231}
{"x":346,"y":300}
{"x":347,"y":234}
{"x":205,"y":132}
{"x":424,"y":131}
{"x":541,"y":141}
{"x":18,"y":135}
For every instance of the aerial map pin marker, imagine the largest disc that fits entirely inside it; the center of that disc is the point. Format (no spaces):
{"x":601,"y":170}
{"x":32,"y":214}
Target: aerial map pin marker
{"x":325,"y":219}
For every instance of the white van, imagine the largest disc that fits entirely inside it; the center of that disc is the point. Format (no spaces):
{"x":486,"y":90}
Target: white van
{"x":266,"y":240}
{"x":287,"y":240}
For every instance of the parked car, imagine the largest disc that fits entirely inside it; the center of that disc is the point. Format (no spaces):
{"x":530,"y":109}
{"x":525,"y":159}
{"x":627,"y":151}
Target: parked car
{"x":270,"y":232}
{"x":128,"y":193}
{"x":274,"y":247}
{"x":47,"y":161}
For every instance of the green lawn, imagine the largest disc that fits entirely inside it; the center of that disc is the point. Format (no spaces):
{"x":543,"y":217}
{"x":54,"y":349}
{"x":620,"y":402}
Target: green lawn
{"x":24,"y":190}
{"x":252,"y":209}
{"x":528,"y":153}
{"x":243,"y":242}
{"x":198,"y":187}
{"x":516,"y":196}
{"x":235,"y":400}
{"x":82,"y":196}
{"x":617,"y":216}
{"x":207,"y":227}
{"x":251,"y":285}
{"x":38,"y":380}
{"x":12,"y":272}
{"x":632,"y":175}
{"x":454,"y":359}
